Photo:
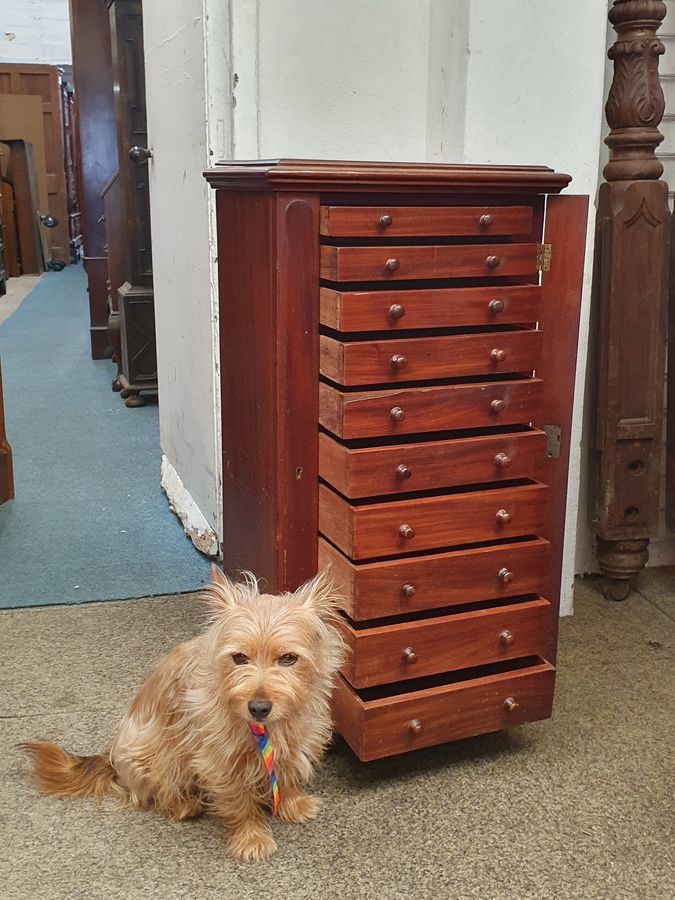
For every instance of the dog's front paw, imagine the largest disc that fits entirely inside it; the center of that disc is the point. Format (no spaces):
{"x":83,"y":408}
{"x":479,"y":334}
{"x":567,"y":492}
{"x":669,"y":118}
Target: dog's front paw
{"x":299,"y":808}
{"x":251,"y":843}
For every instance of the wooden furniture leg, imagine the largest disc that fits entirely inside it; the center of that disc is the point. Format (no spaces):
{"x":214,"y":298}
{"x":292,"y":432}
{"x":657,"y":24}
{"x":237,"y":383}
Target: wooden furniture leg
{"x":629,"y":296}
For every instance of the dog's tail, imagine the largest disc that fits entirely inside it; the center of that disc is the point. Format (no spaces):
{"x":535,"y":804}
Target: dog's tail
{"x":61,"y":773}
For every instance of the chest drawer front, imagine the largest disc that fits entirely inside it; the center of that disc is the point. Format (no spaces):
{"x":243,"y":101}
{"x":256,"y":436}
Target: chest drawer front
{"x":406,"y":526}
{"x":425,"y":221}
{"x":431,"y":308}
{"x":375,"y":728}
{"x":400,"y":263}
{"x":363,"y":414}
{"x":411,"y":359}
{"x":434,"y":581}
{"x":372,"y":471}
{"x":385,"y":654}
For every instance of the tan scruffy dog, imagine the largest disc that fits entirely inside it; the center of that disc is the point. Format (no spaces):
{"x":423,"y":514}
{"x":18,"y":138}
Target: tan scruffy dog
{"x":186,"y":743}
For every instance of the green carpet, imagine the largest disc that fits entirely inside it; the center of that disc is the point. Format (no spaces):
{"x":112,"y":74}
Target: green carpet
{"x":89,"y":520}
{"x":577,"y":808}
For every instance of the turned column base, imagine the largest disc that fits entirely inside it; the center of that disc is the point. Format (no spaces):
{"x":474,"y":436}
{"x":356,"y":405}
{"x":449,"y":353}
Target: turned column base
{"x":620,"y":562}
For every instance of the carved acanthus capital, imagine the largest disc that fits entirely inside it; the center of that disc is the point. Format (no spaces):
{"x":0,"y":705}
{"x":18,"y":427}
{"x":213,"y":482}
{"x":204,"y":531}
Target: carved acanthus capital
{"x":635,"y":104}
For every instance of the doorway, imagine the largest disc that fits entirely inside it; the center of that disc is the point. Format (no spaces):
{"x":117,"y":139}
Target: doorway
{"x":89,"y":520}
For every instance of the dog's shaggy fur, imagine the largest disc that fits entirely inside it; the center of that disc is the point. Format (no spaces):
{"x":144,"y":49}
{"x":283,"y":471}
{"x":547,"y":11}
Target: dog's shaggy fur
{"x":184,"y":745}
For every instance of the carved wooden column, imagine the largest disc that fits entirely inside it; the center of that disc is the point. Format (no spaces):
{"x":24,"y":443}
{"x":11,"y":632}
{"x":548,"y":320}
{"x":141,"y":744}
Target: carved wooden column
{"x":630,"y":288}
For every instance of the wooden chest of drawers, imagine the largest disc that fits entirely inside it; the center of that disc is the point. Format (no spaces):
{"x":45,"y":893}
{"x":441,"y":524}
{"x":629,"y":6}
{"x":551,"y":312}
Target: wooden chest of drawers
{"x":398,"y":347}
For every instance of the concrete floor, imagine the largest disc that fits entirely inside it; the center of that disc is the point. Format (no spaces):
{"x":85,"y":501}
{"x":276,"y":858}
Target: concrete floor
{"x":578,"y":807}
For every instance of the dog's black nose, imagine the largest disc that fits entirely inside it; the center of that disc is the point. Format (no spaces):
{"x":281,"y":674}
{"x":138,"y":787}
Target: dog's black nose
{"x":259,"y":709}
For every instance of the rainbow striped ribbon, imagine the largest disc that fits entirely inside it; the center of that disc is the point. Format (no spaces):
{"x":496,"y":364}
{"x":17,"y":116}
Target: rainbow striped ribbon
{"x":264,"y":745}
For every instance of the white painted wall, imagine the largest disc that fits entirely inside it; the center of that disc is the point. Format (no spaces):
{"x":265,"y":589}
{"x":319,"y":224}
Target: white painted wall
{"x":35,"y":31}
{"x":180,"y":57}
{"x":326,"y":79}
{"x":535,"y":95}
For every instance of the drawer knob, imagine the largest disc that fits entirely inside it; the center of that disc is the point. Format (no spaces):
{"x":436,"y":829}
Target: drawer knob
{"x":505,"y":637}
{"x":496,"y":306}
{"x":403,"y":471}
{"x":408,"y":590}
{"x":415,"y":726}
{"x":503,"y":516}
{"x":505,"y":575}
{"x":486,"y":221}
{"x":498,"y":355}
{"x":407,"y":532}
{"x":396,"y":414}
{"x":398,"y":361}
{"x":493,"y":262}
{"x":385,"y":221}
{"x":510,"y":705}
{"x":396,"y":311}
{"x":392,"y":265}
{"x":498,"y":406}
{"x":409,"y":656}
{"x":502,"y":460}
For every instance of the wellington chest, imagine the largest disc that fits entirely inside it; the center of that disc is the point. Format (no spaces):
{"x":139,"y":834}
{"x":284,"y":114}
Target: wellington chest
{"x":398,"y":350}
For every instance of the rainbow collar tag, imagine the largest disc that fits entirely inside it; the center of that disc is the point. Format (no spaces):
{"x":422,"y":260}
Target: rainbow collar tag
{"x":264,"y":745}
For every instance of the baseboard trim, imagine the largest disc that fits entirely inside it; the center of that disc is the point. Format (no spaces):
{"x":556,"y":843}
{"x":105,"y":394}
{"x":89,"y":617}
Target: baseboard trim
{"x":191,"y":517}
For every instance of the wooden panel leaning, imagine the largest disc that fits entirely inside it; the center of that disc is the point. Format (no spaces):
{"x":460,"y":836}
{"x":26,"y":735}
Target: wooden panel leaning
{"x":412,"y":436}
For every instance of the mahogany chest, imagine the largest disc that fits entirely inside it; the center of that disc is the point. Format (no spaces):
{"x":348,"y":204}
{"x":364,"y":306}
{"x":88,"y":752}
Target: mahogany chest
{"x":398,"y":350}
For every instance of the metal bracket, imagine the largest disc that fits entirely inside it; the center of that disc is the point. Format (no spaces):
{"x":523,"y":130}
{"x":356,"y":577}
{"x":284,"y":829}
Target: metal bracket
{"x":553,"y":440}
{"x":543,"y":257}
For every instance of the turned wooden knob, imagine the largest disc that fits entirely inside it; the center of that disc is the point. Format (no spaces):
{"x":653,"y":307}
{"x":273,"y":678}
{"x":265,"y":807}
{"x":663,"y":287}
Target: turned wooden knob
{"x":502,"y":460}
{"x":397,"y":414}
{"x":497,"y":406}
{"x":392,"y":265}
{"x":510,"y":705}
{"x":496,"y":306}
{"x":408,"y":590}
{"x":498,"y":355}
{"x":409,"y":655}
{"x":505,"y":575}
{"x":398,"y":361}
{"x":403,"y":471}
{"x":415,"y":726}
{"x":486,"y":220}
{"x":385,"y":221}
{"x":503,"y":516}
{"x":407,"y":532}
{"x":396,"y":311}
{"x":493,"y":262}
{"x":505,"y":637}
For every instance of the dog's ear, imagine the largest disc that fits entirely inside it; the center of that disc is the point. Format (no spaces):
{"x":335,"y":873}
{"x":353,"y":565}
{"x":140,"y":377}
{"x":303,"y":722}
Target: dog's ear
{"x":320,"y":595}
{"x":225,"y":594}
{"x":221,"y":593}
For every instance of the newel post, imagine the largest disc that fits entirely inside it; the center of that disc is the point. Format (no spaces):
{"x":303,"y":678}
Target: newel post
{"x":629,"y":298}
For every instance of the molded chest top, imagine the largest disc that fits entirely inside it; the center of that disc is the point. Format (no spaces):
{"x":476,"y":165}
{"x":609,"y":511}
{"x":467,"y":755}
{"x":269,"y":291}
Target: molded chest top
{"x":343,"y":175}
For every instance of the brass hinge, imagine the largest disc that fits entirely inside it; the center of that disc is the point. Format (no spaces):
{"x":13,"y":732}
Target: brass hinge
{"x":543,"y":257}
{"x":553,"y":440}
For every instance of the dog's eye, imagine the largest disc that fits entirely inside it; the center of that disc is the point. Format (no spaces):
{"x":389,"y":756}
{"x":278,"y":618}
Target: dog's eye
{"x":288,"y":659}
{"x":239,"y":659}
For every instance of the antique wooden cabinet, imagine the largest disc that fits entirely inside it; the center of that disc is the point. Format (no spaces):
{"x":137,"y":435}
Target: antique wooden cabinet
{"x":398,"y":347}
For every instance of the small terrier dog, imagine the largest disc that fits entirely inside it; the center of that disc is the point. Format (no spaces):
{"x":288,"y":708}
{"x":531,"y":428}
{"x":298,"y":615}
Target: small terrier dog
{"x":190,"y":740}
